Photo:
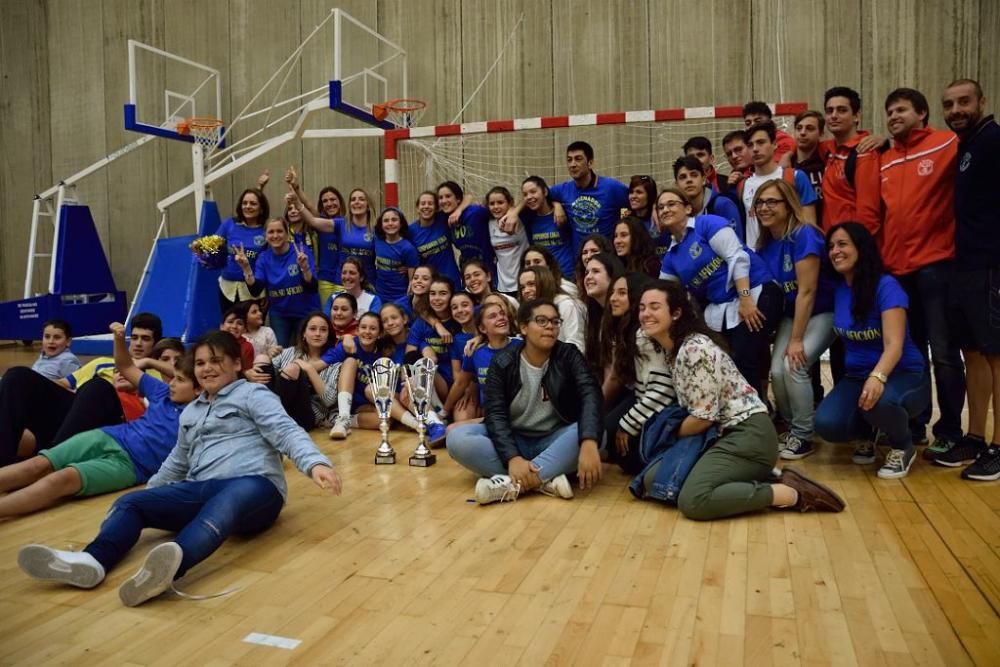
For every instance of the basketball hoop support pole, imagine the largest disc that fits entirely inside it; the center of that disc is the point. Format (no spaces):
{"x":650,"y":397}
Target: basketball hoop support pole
{"x":198,"y":171}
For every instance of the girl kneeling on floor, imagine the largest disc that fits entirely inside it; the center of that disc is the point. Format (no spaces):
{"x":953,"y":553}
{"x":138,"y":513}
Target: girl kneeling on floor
{"x":223,"y":477}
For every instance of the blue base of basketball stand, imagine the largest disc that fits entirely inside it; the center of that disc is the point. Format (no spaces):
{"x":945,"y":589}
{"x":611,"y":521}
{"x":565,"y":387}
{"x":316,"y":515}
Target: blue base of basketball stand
{"x":84,"y":291}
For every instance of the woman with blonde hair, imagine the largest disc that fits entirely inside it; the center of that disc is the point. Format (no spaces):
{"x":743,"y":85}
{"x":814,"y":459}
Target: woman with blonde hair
{"x":795,"y":251}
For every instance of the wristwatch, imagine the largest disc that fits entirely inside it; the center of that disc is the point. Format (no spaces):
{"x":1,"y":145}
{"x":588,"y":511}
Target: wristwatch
{"x":881,"y":377}
{"x":744,"y":292}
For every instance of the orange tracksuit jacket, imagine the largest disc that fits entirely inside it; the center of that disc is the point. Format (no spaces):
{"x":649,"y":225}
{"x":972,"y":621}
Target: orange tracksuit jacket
{"x":840,"y":198}
{"x":917,"y":191}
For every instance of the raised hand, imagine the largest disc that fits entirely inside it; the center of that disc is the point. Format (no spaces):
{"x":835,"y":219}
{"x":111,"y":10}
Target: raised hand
{"x":118,"y":329}
{"x":291,"y":177}
{"x":240,"y":256}
{"x":263,"y":179}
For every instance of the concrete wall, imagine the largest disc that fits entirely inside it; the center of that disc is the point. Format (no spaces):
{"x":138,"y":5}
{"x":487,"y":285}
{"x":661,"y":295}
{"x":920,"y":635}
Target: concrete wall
{"x":63,"y":79}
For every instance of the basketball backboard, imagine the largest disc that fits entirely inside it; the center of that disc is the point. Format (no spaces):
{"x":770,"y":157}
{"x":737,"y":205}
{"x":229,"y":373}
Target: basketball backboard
{"x":165,"y":88}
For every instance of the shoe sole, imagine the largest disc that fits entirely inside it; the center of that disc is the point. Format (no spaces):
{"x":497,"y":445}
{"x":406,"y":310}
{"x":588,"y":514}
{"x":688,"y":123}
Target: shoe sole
{"x":863,"y":460}
{"x":897,"y":475}
{"x":982,"y":478}
{"x":154,"y":577}
{"x":41,"y":562}
{"x":787,"y":455}
{"x":839,"y":501}
{"x":953,"y":464}
{"x":339,"y":436}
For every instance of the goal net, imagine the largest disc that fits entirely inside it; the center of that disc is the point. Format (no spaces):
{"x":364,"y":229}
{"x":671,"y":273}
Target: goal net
{"x":479,"y":156}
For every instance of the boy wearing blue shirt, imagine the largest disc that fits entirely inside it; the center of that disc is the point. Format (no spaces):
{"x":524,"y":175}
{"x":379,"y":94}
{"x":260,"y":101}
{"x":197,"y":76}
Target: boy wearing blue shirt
{"x":592,"y":203}
{"x":55,"y":360}
{"x":106,"y":459}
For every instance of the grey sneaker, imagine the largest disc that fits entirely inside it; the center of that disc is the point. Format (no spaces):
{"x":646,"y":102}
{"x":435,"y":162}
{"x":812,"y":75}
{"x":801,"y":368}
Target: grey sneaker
{"x":962,"y":453}
{"x":76,"y":568}
{"x":938,"y":447}
{"x":557,"y":487}
{"x":341,"y":427}
{"x":497,"y":488}
{"x":154,"y":577}
{"x":897,"y":463}
{"x":864,"y":452}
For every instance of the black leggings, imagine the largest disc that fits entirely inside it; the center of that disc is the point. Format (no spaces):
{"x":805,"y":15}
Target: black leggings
{"x":295,"y":395}
{"x":749,"y":349}
{"x":29,"y":401}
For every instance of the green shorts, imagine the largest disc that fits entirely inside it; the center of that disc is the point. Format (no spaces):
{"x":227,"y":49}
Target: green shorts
{"x":102,"y":463}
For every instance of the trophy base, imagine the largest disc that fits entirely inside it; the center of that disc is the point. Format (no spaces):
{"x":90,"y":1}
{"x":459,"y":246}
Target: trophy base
{"x":385,"y":459}
{"x":423,"y":462}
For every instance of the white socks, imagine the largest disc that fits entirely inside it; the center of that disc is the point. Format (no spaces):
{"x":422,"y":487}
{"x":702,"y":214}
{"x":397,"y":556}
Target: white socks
{"x":344,"y":401}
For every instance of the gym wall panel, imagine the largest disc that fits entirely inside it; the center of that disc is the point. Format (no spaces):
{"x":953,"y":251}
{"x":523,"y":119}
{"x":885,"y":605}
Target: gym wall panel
{"x":988,"y":63}
{"x":78,"y":126}
{"x":135,"y":180}
{"x":802,"y":48}
{"x":25,"y":165}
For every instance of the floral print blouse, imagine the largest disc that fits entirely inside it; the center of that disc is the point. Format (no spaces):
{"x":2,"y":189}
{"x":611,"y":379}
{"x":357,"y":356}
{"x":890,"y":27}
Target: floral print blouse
{"x":709,"y":386}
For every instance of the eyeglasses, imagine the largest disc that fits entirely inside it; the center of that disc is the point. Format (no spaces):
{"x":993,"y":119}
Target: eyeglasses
{"x":673,"y":203}
{"x":768,"y":203}
{"x":544,"y":322}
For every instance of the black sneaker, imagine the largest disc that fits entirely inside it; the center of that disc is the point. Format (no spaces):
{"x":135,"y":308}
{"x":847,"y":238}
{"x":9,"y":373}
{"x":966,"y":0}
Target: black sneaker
{"x":938,"y":447}
{"x":986,"y":467}
{"x":963,"y":453}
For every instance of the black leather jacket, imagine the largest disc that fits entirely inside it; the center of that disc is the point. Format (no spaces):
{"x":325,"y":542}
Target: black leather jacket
{"x":568,"y":382}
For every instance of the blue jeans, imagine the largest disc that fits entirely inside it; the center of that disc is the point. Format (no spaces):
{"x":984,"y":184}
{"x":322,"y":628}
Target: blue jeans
{"x":793,"y":391}
{"x":203,"y":514}
{"x":554,"y":454}
{"x":906,"y":395}
{"x":284,"y":328}
{"x":927,"y":317}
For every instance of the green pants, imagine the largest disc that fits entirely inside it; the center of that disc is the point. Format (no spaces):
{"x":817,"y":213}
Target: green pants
{"x":102,"y":463}
{"x":730,"y":478}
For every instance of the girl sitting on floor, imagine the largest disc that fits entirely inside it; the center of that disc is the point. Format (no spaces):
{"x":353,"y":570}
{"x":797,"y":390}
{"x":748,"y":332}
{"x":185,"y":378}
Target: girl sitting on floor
{"x":223,"y":477}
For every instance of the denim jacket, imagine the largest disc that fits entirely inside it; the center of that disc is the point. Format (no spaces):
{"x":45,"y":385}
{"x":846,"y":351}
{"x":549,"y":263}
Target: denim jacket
{"x":244,"y":431}
{"x":672,"y":457}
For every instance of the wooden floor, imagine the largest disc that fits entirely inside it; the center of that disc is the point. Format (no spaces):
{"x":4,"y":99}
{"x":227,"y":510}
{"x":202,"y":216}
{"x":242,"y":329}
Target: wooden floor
{"x":404,"y":569}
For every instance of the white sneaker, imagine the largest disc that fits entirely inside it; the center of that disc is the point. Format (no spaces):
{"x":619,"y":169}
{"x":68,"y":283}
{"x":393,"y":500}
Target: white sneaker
{"x":497,"y":488}
{"x":341,"y":428}
{"x":557,"y":487}
{"x":76,"y":568}
{"x":154,"y":577}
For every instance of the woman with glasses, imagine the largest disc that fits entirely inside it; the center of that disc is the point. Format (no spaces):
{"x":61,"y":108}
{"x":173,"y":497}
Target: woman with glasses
{"x":541,"y":416}
{"x":793,"y":250}
{"x":740,"y":298}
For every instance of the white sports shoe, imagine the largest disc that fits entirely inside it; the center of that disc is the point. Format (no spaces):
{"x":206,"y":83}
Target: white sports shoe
{"x":154,"y":577}
{"x":76,"y":568}
{"x":557,"y":487}
{"x":341,"y":428}
{"x":497,"y":488}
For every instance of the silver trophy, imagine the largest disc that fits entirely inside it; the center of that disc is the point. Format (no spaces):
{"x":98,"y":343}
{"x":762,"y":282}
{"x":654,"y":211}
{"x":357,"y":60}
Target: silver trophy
{"x":383,"y":375}
{"x":419,"y":378}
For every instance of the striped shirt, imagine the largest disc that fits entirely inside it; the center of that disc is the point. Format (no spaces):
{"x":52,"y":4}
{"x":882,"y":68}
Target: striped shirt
{"x":654,"y":385}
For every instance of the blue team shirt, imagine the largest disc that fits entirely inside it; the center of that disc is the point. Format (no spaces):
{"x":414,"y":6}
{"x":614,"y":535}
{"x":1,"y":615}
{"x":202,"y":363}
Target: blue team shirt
{"x":592,"y":209}
{"x":700,"y":270}
{"x":725,"y":208}
{"x":471,"y":235}
{"x":434,"y":245}
{"x":661,"y":239}
{"x":149,"y":439}
{"x":422,"y":335}
{"x":236,"y":233}
{"x":357,"y":242}
{"x":287,"y":293}
{"x":479,"y":365}
{"x":781,"y":255}
{"x":328,"y":257}
{"x":543,"y":231}
{"x":863,"y":344}
{"x":390,"y":261}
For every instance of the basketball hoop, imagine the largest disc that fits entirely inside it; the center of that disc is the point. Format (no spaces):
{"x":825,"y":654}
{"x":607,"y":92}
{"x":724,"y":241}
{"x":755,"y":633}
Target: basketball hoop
{"x":402,"y":113}
{"x":204,"y":130}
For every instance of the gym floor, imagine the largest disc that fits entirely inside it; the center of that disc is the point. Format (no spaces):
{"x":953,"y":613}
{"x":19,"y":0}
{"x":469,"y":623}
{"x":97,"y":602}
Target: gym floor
{"x":403,"y":568}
